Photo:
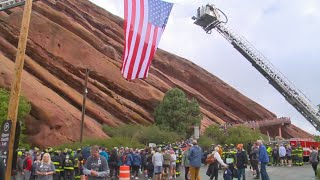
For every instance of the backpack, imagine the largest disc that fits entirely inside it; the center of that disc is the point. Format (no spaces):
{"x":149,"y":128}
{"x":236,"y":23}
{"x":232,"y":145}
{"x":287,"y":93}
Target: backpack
{"x":124,"y":158}
{"x":136,"y":160}
{"x":227,"y":174}
{"x":211,"y":159}
{"x":253,"y":156}
{"x":275,"y":152}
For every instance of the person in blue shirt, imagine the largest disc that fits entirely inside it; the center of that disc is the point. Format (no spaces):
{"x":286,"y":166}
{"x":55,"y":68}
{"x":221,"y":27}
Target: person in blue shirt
{"x":194,"y":157}
{"x":104,"y":154}
{"x":136,"y":163}
{"x":263,"y":160}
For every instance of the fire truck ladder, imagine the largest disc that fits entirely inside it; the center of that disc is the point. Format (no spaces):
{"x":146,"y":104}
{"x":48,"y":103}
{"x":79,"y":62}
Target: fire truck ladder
{"x":208,"y":17}
{"x":8,"y":4}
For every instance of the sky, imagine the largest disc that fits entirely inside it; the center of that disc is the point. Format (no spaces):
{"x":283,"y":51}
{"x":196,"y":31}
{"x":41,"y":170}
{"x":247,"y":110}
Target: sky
{"x":284,"y":31}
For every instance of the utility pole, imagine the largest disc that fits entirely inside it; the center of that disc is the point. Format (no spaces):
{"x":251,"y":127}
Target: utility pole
{"x":84,"y":103}
{"x":16,"y":85}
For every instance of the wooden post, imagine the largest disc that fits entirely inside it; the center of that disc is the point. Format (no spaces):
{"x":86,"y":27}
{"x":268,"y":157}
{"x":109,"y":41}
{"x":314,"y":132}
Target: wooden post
{"x":85,"y":92}
{"x":16,"y":85}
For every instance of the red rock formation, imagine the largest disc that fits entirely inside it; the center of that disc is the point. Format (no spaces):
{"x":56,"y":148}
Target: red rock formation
{"x":67,"y":36}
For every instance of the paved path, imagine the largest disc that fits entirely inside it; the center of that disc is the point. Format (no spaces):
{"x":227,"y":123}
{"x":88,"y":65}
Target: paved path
{"x":275,"y":173}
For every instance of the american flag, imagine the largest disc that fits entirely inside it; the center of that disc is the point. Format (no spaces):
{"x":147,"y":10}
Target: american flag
{"x":145,"y":21}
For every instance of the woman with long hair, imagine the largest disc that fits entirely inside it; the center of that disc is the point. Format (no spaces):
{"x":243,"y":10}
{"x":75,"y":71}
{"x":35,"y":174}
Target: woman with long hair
{"x":113,"y":163}
{"x":46,"y":168}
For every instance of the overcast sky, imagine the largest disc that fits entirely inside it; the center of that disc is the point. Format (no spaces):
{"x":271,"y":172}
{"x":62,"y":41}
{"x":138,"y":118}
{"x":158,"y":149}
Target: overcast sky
{"x":285,"y":31}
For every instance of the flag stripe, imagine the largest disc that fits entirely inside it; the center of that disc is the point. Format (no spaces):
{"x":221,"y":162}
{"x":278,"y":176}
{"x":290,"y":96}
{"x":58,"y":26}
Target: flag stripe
{"x":143,"y":44}
{"x":130,"y":29}
{"x":140,"y":38}
{"x":145,"y":60}
{"x":127,"y":20}
{"x":153,"y":50}
{"x":134,"y":31}
{"x":144,"y":51}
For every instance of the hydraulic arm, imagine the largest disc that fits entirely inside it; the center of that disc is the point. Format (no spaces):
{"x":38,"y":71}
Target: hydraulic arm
{"x":208,"y":17}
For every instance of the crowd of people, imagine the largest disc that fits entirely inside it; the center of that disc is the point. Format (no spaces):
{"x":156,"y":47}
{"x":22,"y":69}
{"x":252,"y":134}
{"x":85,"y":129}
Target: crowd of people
{"x":235,"y":159}
{"x":164,"y":161}
{"x":99,"y":163}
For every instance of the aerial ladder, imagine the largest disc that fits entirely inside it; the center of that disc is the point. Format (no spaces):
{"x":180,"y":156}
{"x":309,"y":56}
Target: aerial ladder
{"x":8,"y":4}
{"x":210,"y":17}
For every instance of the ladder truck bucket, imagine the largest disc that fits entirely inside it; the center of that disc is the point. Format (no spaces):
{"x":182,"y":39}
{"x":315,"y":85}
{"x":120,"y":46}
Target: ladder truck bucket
{"x":207,"y":17}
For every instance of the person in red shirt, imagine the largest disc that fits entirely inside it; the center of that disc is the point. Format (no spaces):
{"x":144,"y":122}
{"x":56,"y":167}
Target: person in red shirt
{"x":27,"y":166}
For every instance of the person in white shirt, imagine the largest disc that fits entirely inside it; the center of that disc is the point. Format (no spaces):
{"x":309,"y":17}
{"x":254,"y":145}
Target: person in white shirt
{"x":213,"y":168}
{"x":282,"y":154}
{"x":157,"y":161}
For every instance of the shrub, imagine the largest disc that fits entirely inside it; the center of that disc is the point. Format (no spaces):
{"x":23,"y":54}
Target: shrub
{"x":143,"y":134}
{"x":205,"y":142}
{"x":128,"y":130}
{"x":108,"y":143}
{"x":153,"y":134}
{"x":233,"y":135}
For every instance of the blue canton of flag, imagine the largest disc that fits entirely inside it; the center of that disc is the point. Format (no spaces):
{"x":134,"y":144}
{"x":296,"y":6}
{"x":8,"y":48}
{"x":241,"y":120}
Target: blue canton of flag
{"x":159,"y":12}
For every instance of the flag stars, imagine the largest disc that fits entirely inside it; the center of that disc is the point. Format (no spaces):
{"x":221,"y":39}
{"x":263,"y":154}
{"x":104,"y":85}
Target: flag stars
{"x":159,"y":12}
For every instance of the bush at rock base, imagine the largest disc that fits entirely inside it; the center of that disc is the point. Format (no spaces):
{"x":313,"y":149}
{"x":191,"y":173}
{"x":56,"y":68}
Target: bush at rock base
{"x":143,"y":134}
{"x":206,"y":142}
{"x":108,"y":143}
{"x":233,"y":135}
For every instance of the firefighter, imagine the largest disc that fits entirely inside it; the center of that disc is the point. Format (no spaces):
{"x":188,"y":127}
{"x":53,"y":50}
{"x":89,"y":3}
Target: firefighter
{"x":269,"y":151}
{"x":62,"y":157}
{"x":68,"y":166}
{"x":57,"y":162}
{"x":178,"y":161}
{"x":300,"y":156}
{"x":294,"y":156}
{"x":50,"y":150}
{"x":230,"y":157}
{"x":225,"y":149}
{"x":77,"y":164}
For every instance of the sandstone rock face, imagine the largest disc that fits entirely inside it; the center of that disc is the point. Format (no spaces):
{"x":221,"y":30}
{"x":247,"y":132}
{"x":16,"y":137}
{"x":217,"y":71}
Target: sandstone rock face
{"x":68,"y":36}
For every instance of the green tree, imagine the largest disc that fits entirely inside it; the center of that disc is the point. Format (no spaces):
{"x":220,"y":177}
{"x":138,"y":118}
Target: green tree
{"x":177,"y":113}
{"x":24,"y":109}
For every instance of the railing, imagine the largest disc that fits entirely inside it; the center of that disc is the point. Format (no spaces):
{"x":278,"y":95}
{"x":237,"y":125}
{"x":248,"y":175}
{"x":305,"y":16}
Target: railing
{"x":265,"y":123}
